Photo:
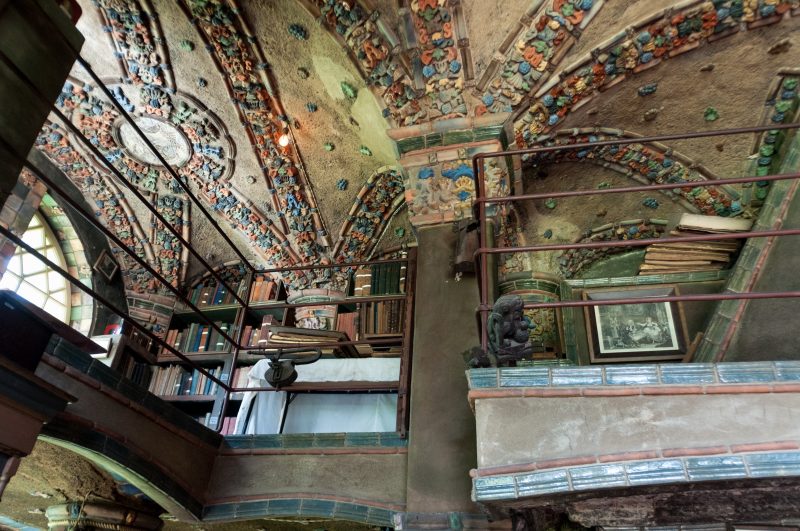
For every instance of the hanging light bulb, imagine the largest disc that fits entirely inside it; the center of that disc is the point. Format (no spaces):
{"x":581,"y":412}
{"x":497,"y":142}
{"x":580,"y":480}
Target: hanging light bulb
{"x":283,"y":140}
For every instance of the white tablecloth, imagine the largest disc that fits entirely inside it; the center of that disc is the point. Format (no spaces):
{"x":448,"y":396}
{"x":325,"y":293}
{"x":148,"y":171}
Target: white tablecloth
{"x":261,"y":413}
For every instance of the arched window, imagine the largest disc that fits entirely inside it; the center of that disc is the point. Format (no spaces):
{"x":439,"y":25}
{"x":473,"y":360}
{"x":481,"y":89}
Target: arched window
{"x":32,"y":279}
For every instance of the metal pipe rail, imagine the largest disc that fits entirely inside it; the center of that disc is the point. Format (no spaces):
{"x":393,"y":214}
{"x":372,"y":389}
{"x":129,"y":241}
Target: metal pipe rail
{"x":481,"y":200}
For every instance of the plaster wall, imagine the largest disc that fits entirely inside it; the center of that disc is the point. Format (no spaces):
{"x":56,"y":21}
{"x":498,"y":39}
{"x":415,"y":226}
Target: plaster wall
{"x":365,"y":478}
{"x":523,"y":430}
{"x":442,"y":432}
{"x":182,"y":458}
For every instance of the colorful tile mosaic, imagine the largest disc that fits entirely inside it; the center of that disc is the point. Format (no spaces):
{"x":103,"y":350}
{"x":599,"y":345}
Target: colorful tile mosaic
{"x":138,"y":40}
{"x":648,"y":163}
{"x":534,"y":54}
{"x":677,"y":32}
{"x":372,"y":47}
{"x":442,"y":71}
{"x":575,"y":260}
{"x":243,"y":67}
{"x":111,"y":207}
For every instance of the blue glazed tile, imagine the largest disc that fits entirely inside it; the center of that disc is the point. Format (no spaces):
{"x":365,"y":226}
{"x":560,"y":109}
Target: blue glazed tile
{"x":495,"y":488}
{"x":328,"y":440}
{"x":223,"y":511}
{"x":598,"y":477}
{"x":653,"y":472}
{"x":252,"y":509}
{"x":632,"y":375}
{"x":538,"y":483}
{"x":710,"y":468}
{"x":524,"y":377}
{"x":299,"y":440}
{"x":320,"y":508}
{"x":391,"y":439}
{"x":748,"y":372}
{"x":267,"y":441}
{"x":774,"y":464}
{"x":362,"y":439}
{"x":351,"y":511}
{"x":284,"y":506}
{"x":381,"y":517}
{"x":575,"y":376}
{"x":687,"y":373}
{"x":787,"y":370}
{"x":239,"y":441}
{"x":482,"y":378}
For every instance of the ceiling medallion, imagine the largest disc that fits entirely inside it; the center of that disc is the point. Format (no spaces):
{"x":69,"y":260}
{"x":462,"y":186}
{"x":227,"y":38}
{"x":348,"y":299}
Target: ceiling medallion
{"x":167,"y":139}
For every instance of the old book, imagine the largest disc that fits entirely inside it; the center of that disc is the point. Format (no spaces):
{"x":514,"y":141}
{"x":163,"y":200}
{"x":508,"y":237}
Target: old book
{"x":717,"y":224}
{"x":655,"y":254}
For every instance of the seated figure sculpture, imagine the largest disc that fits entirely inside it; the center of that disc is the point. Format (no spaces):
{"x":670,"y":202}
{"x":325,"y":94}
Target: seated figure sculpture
{"x":508,"y":335}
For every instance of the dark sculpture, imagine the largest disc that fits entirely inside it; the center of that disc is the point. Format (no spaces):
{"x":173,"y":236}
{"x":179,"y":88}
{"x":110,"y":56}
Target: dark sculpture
{"x":508,"y":335}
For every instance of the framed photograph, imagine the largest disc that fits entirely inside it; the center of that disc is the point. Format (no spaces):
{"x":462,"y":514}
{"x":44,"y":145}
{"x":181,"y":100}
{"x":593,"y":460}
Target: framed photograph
{"x":106,"y":266}
{"x":635,"y":332}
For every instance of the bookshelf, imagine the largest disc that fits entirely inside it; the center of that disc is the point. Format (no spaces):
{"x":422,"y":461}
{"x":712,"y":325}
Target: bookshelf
{"x":271,"y":319}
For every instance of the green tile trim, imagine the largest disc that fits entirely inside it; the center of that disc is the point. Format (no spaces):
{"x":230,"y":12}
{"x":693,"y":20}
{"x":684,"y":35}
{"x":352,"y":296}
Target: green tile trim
{"x":636,"y":473}
{"x":448,"y":138}
{"x":655,"y":374}
{"x":316,"y":440}
{"x":316,"y":507}
{"x":74,"y":435}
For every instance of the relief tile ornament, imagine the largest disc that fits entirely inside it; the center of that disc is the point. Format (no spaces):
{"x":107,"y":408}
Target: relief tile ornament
{"x":373,"y":51}
{"x":376,"y":203}
{"x":138,"y":40}
{"x":574,"y":261}
{"x":781,"y":107}
{"x":534,"y":54}
{"x":244,"y":70}
{"x":441,"y":192}
{"x":645,"y":46}
{"x":110,"y":206}
{"x":442,"y":71}
{"x":651,"y":163}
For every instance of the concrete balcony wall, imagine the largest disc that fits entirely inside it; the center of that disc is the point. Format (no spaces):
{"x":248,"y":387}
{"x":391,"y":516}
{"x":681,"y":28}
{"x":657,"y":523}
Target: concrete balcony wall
{"x":565,"y":435}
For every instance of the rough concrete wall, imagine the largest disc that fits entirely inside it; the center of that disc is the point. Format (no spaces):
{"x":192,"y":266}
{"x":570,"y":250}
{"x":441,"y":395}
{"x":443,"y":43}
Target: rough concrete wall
{"x":442,"y":432}
{"x":523,"y":430}
{"x":183,"y":459}
{"x":364,"y":478}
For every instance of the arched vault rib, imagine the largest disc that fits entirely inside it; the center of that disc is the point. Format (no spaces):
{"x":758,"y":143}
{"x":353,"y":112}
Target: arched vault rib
{"x":665,"y":34}
{"x":651,"y":163}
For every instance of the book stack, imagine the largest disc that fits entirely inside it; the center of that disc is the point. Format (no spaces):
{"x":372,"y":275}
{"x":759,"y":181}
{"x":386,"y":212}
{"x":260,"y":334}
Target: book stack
{"x":385,"y":318}
{"x":199,"y":338}
{"x":691,"y":257}
{"x":386,"y":279}
{"x":263,"y":289}
{"x":239,"y":376}
{"x":174,"y":380}
{"x":362,"y":282}
{"x":136,"y":371}
{"x":276,"y":336}
{"x":348,"y":324}
{"x":211,"y":293}
{"x":228,"y":425}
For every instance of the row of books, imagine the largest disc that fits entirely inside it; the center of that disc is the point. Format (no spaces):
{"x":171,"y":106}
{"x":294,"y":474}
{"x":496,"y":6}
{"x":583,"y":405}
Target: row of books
{"x":380,"y":279}
{"x":199,"y":338}
{"x":211,"y":293}
{"x":136,"y":371}
{"x":240,"y":375}
{"x":382,"y":318}
{"x":174,"y":380}
{"x":263,"y":289}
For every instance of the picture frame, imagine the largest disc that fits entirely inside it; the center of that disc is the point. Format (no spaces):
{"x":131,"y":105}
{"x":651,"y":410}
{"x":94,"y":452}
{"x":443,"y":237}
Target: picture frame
{"x":635,"y":332}
{"x":106,"y":266}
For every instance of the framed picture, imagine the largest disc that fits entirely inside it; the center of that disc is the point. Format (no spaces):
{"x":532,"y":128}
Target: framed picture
{"x":106,"y":266}
{"x":653,"y":331}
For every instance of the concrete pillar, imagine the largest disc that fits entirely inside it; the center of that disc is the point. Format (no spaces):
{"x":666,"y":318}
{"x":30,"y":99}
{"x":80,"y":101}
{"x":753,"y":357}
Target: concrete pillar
{"x":100,"y":516}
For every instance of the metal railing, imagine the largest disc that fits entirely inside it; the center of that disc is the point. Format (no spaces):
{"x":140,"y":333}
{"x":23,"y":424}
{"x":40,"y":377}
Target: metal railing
{"x":482,"y":200}
{"x":401,"y":387}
